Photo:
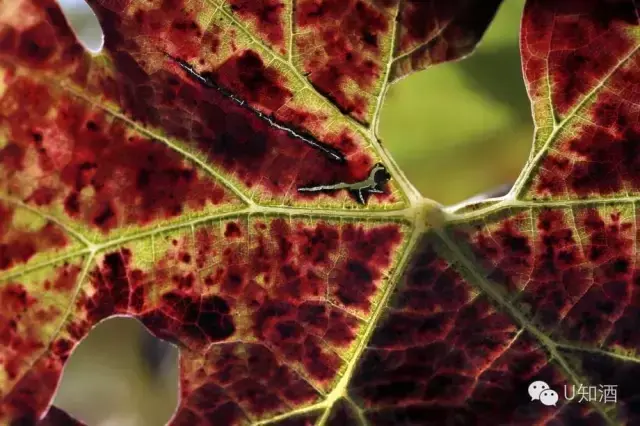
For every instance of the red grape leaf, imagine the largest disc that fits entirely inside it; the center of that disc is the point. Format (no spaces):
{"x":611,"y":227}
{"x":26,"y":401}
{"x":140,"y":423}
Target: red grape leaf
{"x":581,"y":79}
{"x":431,"y":32}
{"x":215,"y":173}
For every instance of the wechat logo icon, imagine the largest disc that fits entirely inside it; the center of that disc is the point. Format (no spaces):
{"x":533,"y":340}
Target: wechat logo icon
{"x":541,"y":391}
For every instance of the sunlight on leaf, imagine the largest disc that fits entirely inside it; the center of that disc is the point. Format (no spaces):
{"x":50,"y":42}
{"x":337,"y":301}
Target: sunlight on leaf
{"x":161,"y":180}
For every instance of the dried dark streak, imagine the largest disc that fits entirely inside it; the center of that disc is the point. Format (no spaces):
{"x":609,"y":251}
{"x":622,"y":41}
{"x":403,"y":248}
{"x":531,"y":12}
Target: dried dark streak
{"x":329,"y":151}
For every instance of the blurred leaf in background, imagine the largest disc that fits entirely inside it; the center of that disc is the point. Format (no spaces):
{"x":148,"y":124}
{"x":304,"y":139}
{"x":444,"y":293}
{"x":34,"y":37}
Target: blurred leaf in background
{"x":462,"y":128}
{"x":110,"y":379}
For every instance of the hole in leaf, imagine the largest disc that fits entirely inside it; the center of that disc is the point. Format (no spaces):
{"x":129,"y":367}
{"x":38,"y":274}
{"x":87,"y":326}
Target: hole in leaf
{"x":84,"y":23}
{"x":462,"y":129}
{"x":121,"y":375}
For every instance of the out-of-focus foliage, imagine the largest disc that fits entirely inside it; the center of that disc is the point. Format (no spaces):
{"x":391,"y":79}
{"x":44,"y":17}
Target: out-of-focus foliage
{"x":110,"y":367}
{"x":463,"y":127}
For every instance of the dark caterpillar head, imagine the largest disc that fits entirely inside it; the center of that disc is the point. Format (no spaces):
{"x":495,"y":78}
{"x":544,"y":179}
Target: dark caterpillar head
{"x":380,"y":174}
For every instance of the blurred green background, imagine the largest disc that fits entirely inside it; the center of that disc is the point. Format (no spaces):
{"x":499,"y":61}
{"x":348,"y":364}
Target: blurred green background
{"x":457,"y":130}
{"x":465,"y":127}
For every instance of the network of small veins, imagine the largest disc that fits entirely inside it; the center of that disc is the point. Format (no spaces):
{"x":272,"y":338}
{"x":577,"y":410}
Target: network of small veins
{"x":360,"y":190}
{"x":372,"y":184}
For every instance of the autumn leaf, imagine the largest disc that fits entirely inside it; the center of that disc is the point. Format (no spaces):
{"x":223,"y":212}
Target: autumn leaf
{"x":215,"y":173}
